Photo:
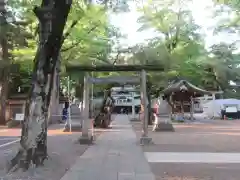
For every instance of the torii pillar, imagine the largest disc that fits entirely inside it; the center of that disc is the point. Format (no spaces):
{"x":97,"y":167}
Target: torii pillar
{"x":86,"y":137}
{"x":144,"y":140}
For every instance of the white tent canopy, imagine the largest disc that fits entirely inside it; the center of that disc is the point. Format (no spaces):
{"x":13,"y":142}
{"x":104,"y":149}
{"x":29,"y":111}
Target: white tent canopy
{"x":213,"y":108}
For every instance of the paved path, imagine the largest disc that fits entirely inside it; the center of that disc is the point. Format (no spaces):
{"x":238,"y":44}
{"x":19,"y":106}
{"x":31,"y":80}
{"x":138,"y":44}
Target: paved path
{"x":114,"y":156}
{"x":207,"y":151}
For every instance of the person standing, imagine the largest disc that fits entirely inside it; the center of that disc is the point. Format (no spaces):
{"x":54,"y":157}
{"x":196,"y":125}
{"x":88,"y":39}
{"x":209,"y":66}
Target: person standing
{"x":65,"y":112}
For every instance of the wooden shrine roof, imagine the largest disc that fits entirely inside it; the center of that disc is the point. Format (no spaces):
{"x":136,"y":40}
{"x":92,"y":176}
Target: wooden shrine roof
{"x":182,"y":85}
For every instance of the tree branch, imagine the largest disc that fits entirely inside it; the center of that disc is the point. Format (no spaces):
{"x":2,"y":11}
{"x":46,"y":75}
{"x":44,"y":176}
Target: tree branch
{"x":175,"y":42}
{"x":70,"y":47}
{"x":114,"y":62}
{"x":77,"y":43}
{"x":74,"y":23}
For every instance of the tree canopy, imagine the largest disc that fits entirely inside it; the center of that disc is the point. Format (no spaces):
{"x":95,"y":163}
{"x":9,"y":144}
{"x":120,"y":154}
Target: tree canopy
{"x":181,"y":48}
{"x":90,"y":38}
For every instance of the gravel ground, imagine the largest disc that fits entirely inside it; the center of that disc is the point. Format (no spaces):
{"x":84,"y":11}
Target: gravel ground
{"x":63,"y":149}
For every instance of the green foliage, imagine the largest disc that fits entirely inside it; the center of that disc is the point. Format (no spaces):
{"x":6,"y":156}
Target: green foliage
{"x":180,"y":49}
{"x":90,"y":39}
{"x":235,"y":4}
{"x":231,"y":22}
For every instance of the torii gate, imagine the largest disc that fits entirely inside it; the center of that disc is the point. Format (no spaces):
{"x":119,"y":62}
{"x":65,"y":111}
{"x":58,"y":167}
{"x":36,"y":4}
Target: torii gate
{"x":87,"y":137}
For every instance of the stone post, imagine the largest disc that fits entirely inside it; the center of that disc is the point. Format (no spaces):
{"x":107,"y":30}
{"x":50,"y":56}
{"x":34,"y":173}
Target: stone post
{"x":133,"y":111}
{"x":213,"y":98}
{"x":86,"y":137}
{"x":163,"y":123}
{"x":191,"y":108}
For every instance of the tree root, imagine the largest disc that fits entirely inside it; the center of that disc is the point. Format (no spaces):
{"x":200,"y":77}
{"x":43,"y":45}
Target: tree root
{"x":25,"y":158}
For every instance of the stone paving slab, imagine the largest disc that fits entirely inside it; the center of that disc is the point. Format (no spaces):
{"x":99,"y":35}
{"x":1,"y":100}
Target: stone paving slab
{"x":195,"y":151}
{"x":114,"y":156}
{"x":190,"y":157}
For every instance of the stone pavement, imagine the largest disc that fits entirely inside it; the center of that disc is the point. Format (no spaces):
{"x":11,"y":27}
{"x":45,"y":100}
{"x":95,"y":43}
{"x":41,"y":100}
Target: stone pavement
{"x":208,"y":151}
{"x":115,"y":155}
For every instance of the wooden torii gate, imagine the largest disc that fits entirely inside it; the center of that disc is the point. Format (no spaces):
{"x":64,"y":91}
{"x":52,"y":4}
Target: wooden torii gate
{"x":86,"y":137}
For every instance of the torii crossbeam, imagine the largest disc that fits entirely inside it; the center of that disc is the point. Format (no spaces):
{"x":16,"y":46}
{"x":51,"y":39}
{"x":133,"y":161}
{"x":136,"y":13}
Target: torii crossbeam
{"x":111,"y":68}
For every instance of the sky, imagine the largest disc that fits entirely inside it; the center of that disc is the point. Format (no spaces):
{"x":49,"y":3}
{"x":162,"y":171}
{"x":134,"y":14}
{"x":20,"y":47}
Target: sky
{"x":201,"y":10}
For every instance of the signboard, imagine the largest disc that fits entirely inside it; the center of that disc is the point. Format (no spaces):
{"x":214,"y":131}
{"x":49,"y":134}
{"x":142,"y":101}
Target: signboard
{"x":124,"y":101}
{"x":19,"y":117}
{"x":231,"y":109}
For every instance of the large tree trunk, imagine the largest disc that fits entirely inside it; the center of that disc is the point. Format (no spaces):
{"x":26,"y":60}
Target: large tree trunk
{"x":52,"y":17}
{"x":4,"y":79}
{"x":54,"y":102}
{"x":5,"y":65}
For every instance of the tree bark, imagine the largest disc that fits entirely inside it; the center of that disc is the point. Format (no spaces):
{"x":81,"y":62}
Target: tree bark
{"x":4,"y":82}
{"x":52,"y":17}
{"x":4,"y":77}
{"x":54,"y":102}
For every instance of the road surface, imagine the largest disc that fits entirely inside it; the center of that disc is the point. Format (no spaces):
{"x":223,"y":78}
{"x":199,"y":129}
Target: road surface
{"x":8,"y":137}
